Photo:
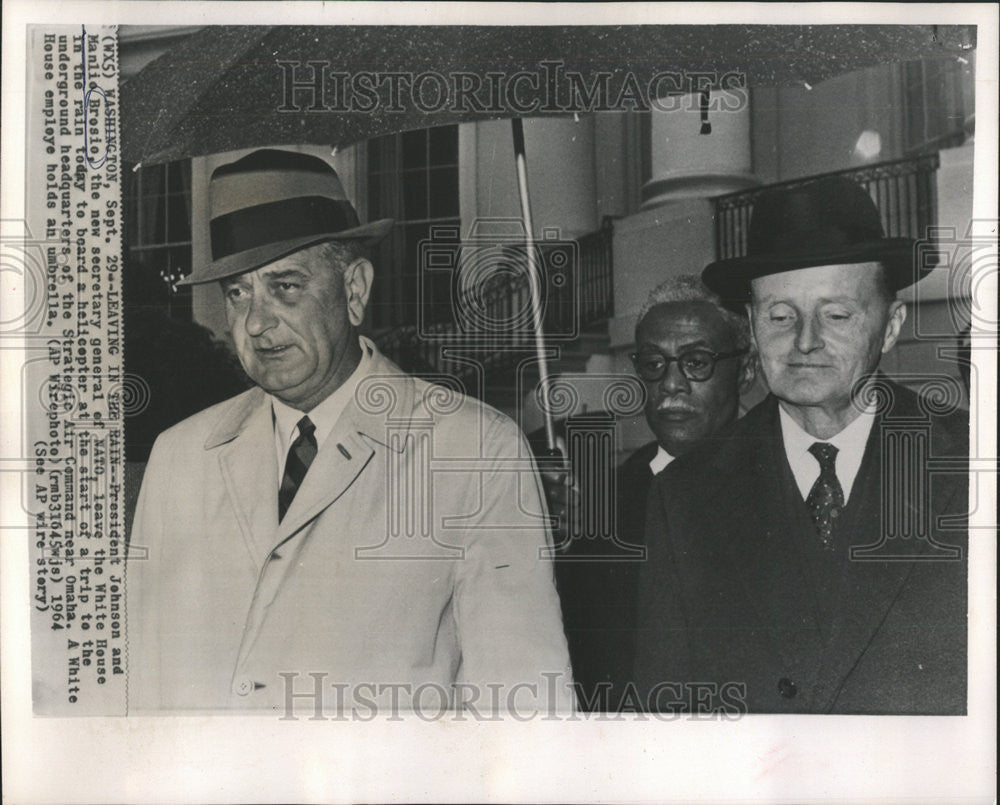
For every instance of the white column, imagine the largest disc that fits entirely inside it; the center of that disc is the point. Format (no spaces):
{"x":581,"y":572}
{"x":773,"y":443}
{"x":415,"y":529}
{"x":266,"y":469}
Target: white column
{"x":688,"y":164}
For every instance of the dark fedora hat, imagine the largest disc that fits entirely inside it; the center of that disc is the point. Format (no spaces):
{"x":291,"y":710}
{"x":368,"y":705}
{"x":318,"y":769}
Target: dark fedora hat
{"x":272,"y":203}
{"x":831,"y":221}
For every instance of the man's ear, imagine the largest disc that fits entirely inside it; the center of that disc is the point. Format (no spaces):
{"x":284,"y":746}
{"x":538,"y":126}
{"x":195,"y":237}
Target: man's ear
{"x":748,"y":370}
{"x":749,"y":363}
{"x":894,"y":325}
{"x":753,"y":339}
{"x":358,"y":277}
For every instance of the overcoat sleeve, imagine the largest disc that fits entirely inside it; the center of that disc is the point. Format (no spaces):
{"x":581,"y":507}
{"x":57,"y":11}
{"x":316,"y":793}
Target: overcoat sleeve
{"x":506,"y":605}
{"x":151,"y":517}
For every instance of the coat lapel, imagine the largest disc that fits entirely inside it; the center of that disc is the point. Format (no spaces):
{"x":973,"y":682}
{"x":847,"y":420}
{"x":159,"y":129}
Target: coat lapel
{"x":250,"y":469}
{"x":761,"y":550}
{"x":348,"y":449}
{"x":249,"y":464}
{"x":869,"y":588}
{"x":340,"y":460}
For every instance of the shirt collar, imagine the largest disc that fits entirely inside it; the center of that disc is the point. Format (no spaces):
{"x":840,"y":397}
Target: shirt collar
{"x":660,"y":460}
{"x":325,"y":415}
{"x":850,"y":444}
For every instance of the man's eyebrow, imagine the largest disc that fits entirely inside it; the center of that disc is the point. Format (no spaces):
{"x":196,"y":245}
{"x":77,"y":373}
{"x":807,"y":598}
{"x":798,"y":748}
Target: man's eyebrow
{"x":824,"y":300}
{"x":695,"y":344}
{"x":856,"y":300}
{"x":771,"y":299}
{"x":286,"y":273}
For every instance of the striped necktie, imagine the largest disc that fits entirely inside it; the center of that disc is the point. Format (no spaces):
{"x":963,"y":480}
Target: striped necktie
{"x":826,"y":498}
{"x":300,"y":456}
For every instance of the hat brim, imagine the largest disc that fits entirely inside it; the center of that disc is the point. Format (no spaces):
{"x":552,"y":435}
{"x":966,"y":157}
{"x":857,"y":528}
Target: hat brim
{"x":731,"y":278}
{"x":252,"y":259}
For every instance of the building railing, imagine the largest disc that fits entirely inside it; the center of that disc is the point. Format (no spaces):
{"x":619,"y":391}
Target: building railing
{"x":491,"y":314}
{"x":904,"y":191}
{"x":596,"y":278}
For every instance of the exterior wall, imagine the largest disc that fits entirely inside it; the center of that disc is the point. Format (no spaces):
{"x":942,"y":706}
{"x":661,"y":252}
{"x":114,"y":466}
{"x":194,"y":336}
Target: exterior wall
{"x":803,"y":132}
{"x":617,"y":164}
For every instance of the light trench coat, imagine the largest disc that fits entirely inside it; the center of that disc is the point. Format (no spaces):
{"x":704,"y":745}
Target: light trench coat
{"x":411,"y":571}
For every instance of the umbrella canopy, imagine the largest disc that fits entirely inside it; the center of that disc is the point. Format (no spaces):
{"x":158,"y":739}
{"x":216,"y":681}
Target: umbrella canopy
{"x":229,"y":87}
{"x":242,"y":87}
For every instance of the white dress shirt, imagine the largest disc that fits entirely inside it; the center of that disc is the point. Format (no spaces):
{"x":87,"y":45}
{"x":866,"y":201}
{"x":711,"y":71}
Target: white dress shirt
{"x":660,"y":460}
{"x":324,"y":416}
{"x":850,"y":444}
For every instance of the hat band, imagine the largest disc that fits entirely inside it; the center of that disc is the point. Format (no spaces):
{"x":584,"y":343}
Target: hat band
{"x":279,"y":221}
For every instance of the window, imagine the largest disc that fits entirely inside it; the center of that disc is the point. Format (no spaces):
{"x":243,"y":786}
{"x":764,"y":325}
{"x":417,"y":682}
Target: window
{"x":157,"y":212}
{"x":412,"y":177}
{"x":939,"y":104}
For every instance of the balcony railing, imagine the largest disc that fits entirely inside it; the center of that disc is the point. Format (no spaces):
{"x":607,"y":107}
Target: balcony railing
{"x":904,"y":191}
{"x":491,"y":318}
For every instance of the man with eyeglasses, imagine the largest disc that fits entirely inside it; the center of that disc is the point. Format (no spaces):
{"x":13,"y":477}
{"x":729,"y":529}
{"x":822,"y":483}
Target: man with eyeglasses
{"x":814,"y":560}
{"x":693,"y":357}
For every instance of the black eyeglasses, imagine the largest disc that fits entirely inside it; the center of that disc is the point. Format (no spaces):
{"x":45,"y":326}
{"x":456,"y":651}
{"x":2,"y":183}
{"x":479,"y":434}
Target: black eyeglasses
{"x":695,"y":364}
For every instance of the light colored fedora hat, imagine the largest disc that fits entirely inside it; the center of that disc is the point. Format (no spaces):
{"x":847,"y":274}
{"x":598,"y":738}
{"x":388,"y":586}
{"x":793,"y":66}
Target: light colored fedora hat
{"x":271,"y":204}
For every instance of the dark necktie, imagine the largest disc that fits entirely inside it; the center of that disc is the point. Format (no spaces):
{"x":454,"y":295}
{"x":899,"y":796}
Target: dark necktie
{"x":300,"y":456}
{"x":826,"y":498}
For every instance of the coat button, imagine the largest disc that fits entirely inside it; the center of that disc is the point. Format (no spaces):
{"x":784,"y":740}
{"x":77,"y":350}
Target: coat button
{"x":787,"y":688}
{"x":243,"y":686}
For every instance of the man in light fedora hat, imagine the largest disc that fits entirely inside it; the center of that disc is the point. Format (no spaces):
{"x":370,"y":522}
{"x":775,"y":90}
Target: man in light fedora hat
{"x":342,"y":538}
{"x":807,"y":564}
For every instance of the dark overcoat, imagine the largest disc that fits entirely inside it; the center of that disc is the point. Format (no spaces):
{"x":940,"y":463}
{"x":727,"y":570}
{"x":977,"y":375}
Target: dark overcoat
{"x":740,"y":607}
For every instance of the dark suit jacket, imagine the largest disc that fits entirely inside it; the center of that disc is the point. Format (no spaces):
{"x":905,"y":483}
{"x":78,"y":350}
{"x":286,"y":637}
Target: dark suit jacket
{"x":599,"y":596}
{"x":737,"y":593}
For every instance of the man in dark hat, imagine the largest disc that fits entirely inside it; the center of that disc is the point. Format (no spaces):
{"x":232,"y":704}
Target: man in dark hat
{"x":342,"y":536}
{"x":811,"y":562}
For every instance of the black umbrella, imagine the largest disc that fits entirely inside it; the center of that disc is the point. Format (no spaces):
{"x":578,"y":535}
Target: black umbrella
{"x":231,"y":87}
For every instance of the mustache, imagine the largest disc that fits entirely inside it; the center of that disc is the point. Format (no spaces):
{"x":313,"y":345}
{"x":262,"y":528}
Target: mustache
{"x":675,"y":408}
